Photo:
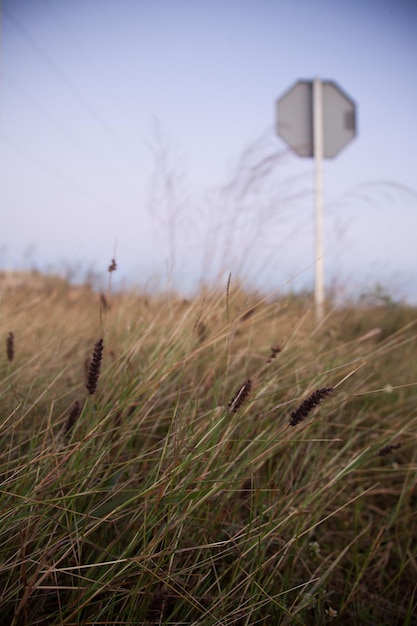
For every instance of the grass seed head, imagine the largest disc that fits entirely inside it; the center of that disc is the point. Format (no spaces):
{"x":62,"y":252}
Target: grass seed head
{"x":274,"y":351}
{"x":10,"y":347}
{"x":240,"y":396}
{"x":94,"y":367}
{"x":308,"y":405}
{"x":73,"y":416}
{"x":104,"y":302}
{"x":113,"y":266}
{"x":388,"y":449}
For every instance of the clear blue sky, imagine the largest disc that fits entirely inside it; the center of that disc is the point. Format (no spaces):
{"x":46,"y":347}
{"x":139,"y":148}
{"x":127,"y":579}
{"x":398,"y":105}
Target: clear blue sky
{"x":147,"y":127}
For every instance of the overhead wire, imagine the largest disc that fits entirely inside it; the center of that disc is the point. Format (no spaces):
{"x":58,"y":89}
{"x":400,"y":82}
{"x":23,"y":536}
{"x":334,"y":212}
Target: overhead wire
{"x":29,"y":155}
{"x":69,"y":84}
{"x":78,"y":48}
{"x":54,"y":121}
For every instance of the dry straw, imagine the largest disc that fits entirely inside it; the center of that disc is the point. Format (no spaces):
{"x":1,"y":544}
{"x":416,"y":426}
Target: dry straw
{"x":308,"y":405}
{"x":94,"y":367}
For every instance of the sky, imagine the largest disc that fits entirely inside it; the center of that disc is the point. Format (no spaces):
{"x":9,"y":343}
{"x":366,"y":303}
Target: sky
{"x":145,"y":130}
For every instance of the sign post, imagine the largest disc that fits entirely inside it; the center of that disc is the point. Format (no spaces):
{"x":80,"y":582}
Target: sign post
{"x":318,"y":157}
{"x":317,"y":119}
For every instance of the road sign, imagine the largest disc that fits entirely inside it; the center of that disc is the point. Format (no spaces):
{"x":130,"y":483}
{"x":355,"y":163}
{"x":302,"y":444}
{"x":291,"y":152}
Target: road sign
{"x":295,"y":118}
{"x":317,"y":119}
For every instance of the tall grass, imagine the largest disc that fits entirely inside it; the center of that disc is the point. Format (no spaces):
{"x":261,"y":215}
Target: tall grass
{"x":211,"y":477}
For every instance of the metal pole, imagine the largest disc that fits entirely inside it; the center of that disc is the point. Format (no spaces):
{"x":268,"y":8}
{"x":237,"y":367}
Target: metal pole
{"x":318,"y":157}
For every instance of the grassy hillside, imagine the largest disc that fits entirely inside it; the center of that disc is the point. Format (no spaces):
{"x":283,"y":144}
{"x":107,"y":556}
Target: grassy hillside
{"x":229,"y":462}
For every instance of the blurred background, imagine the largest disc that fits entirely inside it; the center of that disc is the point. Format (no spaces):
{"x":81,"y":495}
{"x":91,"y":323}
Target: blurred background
{"x":145,"y":131}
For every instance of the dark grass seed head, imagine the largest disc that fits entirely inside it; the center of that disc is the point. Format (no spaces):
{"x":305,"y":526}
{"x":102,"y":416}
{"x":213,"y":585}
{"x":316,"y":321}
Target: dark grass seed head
{"x":386,"y":450}
{"x":10,"y":347}
{"x":308,"y":405}
{"x":104,"y":302}
{"x":94,"y":367}
{"x":113,"y":266}
{"x":273,"y":354}
{"x":240,"y":396}
{"x":73,"y":416}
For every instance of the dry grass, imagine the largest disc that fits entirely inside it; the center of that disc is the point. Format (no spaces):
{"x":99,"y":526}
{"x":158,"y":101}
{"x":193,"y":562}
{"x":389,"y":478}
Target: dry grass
{"x":211,"y":477}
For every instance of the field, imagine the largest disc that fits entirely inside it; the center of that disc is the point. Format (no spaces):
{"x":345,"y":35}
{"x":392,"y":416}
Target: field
{"x":219,"y":460}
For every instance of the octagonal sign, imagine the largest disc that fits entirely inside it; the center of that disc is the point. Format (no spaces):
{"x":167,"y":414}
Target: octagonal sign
{"x":295,"y":118}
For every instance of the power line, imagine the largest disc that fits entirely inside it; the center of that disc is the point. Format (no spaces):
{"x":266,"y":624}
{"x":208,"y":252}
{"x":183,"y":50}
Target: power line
{"x":69,"y":34}
{"x":54,"y":121}
{"x":56,"y":171}
{"x":72,"y":88}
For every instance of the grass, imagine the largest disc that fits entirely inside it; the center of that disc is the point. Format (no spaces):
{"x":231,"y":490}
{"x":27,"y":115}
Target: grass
{"x":227,"y":463}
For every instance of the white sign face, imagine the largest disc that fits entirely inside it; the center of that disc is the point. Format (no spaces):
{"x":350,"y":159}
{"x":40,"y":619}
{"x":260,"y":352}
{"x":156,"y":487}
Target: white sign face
{"x":295,"y":118}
